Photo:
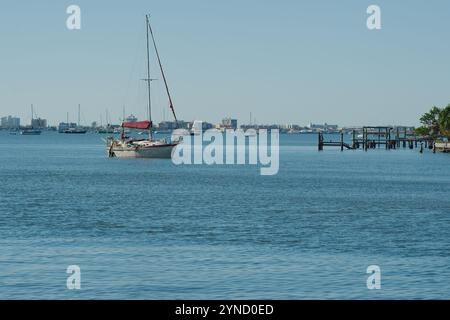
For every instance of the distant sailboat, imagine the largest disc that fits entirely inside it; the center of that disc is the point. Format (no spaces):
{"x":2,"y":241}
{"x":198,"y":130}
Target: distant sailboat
{"x":146,"y":148}
{"x":78,"y":129}
{"x":31,"y":131}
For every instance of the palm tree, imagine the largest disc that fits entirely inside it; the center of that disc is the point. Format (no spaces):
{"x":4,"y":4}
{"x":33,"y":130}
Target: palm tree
{"x":444,"y":121}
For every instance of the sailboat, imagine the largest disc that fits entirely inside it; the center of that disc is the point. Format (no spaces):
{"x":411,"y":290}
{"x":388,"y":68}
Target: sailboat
{"x":126,"y":147}
{"x":79,"y":129}
{"x":31,"y":131}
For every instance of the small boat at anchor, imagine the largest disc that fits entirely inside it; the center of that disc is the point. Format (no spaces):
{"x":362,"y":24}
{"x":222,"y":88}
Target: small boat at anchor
{"x":139,"y":148}
{"x":75,"y":130}
{"x":31,"y":131}
{"x":127,"y":147}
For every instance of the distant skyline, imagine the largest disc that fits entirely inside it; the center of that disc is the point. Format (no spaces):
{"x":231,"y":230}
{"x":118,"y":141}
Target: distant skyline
{"x":284,"y":61}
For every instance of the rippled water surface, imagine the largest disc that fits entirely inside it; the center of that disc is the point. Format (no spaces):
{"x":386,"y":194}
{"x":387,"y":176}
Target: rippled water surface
{"x":147,"y":229}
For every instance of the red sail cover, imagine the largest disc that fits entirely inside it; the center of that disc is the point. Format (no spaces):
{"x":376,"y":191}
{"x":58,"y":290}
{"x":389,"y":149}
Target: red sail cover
{"x":142,"y":125}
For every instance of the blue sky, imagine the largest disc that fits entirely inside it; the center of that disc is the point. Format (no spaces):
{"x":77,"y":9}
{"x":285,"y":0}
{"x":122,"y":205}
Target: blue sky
{"x":284,"y":61}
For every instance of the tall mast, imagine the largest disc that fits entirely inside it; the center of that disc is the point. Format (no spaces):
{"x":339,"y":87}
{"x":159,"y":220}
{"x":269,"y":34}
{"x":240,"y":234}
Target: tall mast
{"x":32,"y":116}
{"x":162,"y":72}
{"x":149,"y":80}
{"x":79,"y":110}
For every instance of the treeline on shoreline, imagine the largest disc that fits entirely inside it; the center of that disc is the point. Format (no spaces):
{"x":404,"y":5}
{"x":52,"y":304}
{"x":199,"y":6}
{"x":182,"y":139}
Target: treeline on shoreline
{"x":435,"y":123}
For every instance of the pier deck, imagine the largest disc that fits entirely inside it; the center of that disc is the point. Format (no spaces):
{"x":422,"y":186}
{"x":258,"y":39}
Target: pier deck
{"x":384,"y":137}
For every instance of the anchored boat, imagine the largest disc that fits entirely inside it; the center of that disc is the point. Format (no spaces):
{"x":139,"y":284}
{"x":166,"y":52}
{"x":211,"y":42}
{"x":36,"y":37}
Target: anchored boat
{"x":127,"y":147}
{"x":31,"y":131}
{"x":78,"y":129}
{"x":142,"y":148}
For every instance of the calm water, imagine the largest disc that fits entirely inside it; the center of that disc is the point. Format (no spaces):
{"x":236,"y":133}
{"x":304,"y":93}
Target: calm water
{"x":146,"y":229}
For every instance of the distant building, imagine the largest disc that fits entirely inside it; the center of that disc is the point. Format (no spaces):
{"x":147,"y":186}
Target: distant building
{"x":292,"y":127}
{"x":39,"y":123}
{"x":166,"y":126}
{"x":10,"y":122}
{"x":131,"y":118}
{"x":268,"y":126}
{"x":229,"y":123}
{"x":172,"y":125}
{"x":284,"y":128}
{"x":198,"y":125}
{"x":323,"y":127}
{"x":245,"y":127}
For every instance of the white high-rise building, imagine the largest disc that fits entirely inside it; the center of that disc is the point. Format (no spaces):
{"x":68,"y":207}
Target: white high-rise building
{"x":10,"y":122}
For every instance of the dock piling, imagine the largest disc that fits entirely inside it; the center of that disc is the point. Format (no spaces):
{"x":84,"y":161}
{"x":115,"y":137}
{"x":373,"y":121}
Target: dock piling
{"x":320,"y":141}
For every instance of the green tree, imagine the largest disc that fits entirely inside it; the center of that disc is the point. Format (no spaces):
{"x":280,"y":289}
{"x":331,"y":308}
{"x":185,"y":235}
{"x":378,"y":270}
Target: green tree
{"x":422,"y":131}
{"x":444,"y":121}
{"x":431,"y":120}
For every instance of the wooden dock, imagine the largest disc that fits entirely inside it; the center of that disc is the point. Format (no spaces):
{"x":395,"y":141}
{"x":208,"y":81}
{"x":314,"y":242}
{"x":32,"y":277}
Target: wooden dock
{"x":341,"y":143}
{"x":383,"y":137}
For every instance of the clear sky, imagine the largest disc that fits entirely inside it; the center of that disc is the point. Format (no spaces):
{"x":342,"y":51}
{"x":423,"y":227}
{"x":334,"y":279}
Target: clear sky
{"x":285,"y":61}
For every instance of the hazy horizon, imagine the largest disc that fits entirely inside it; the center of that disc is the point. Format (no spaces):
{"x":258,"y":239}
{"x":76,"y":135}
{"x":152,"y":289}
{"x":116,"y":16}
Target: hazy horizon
{"x":286,"y":62}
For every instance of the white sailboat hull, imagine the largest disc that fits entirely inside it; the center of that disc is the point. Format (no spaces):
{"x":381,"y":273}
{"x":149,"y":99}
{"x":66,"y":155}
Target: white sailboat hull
{"x":155,"y":151}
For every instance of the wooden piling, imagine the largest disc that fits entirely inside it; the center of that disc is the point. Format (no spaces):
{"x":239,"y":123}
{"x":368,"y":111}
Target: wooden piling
{"x":354,"y":139}
{"x":320,"y":141}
